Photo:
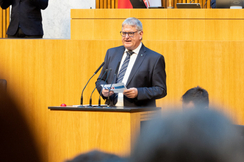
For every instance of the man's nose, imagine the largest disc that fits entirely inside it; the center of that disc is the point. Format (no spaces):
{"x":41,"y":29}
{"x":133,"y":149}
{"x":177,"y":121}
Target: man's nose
{"x":127,"y":35}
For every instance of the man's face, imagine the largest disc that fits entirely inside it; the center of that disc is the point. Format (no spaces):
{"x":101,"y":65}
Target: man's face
{"x":131,"y":43}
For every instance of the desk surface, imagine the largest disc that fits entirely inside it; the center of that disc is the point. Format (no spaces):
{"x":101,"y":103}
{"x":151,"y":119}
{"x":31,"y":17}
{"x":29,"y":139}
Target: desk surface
{"x":107,"y":109}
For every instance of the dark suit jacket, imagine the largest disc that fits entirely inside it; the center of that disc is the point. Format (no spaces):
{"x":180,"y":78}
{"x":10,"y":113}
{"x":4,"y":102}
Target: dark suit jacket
{"x":213,"y":3}
{"x":26,"y":14}
{"x":147,"y":75}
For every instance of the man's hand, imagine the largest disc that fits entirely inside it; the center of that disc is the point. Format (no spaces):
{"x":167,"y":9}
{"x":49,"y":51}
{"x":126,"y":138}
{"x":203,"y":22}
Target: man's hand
{"x":105,"y":92}
{"x":131,"y":93}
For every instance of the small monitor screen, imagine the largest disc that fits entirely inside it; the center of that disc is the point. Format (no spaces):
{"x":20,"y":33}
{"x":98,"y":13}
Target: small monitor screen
{"x":228,"y":3}
{"x":138,"y":4}
{"x":188,"y":5}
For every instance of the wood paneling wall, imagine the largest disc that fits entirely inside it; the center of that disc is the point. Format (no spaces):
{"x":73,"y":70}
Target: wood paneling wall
{"x":160,"y":24}
{"x":100,"y":4}
{"x":165,"y":3}
{"x":106,"y":4}
{"x":4,"y":22}
{"x":42,"y":73}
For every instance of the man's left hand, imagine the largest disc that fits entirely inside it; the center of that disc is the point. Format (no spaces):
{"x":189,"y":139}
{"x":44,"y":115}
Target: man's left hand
{"x":131,"y":93}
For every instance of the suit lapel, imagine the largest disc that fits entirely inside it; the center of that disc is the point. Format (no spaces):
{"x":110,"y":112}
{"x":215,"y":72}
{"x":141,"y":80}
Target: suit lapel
{"x":119,"y":56}
{"x":137,"y":64}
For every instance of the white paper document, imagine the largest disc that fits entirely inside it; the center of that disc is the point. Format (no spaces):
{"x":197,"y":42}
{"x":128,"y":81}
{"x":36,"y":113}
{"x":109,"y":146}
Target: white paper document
{"x":116,"y":87}
{"x":154,"y":3}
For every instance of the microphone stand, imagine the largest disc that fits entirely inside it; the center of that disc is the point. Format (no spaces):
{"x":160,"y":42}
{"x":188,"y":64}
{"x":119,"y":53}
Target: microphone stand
{"x":81,"y":98}
{"x":90,"y":105}
{"x":99,"y":100}
{"x":113,"y":81}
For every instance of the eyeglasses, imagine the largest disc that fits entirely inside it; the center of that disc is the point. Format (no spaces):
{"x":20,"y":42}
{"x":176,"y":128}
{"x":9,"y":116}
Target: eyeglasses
{"x":130,"y":34}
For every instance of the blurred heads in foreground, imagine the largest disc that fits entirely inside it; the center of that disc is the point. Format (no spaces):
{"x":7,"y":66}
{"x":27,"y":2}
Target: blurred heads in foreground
{"x":17,"y":142}
{"x":96,"y":156}
{"x":196,"y":97}
{"x":194,"y":135}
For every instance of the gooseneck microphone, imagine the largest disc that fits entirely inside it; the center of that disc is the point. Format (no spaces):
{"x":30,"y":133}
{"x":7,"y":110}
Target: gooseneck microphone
{"x":99,"y":99}
{"x":81,"y":98}
{"x":206,"y":4}
{"x":90,"y":105}
{"x":114,"y":79}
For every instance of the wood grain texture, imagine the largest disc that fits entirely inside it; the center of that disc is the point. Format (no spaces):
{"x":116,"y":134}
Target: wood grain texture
{"x":42,"y":73}
{"x":4,"y":22}
{"x":102,"y":4}
{"x":165,"y":24}
{"x":77,"y":132}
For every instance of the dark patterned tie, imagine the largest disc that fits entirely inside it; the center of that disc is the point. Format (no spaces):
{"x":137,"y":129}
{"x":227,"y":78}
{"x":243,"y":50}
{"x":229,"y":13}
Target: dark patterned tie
{"x":124,"y":66}
{"x":122,"y":72}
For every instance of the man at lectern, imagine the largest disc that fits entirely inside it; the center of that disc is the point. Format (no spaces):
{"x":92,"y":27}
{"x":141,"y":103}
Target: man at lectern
{"x":26,"y":18}
{"x":140,"y":69}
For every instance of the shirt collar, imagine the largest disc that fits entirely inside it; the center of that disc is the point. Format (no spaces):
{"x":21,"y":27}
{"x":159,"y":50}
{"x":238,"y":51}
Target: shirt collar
{"x":136,"y":51}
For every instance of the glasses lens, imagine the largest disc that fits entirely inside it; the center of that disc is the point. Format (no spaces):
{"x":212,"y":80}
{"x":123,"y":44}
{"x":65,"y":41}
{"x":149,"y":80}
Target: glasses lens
{"x":123,"y":34}
{"x":130,"y":34}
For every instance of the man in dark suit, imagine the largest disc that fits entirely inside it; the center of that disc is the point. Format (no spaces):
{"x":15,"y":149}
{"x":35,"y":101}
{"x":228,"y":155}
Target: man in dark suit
{"x":213,"y":3}
{"x":142,"y":70}
{"x":26,"y":19}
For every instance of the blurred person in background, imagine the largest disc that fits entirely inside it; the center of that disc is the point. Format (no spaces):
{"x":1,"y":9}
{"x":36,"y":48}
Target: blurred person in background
{"x":194,"y":135}
{"x":196,"y":97}
{"x":17,"y":143}
{"x":96,"y":156}
{"x":26,"y":18}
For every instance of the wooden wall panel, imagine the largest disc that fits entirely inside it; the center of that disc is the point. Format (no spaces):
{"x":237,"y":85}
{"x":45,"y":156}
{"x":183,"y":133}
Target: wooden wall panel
{"x":102,"y":4}
{"x":4,"y":22}
{"x":82,"y":131}
{"x":42,"y":73}
{"x":1,"y":23}
{"x":166,"y":24}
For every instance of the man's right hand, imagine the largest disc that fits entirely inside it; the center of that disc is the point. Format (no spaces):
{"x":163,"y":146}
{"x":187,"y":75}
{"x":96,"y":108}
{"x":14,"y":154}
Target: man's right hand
{"x":106,"y":92}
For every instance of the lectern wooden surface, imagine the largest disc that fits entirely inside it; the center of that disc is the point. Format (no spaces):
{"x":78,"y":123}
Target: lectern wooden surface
{"x":78,"y":130}
{"x":160,"y":24}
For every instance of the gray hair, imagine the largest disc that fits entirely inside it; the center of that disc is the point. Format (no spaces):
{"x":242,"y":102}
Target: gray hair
{"x":132,"y":21}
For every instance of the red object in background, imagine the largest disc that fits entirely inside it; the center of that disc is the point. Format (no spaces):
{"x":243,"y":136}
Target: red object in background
{"x":63,"y":105}
{"x":124,"y":4}
{"x":145,"y":1}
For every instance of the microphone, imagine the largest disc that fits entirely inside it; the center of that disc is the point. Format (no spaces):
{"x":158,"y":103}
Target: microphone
{"x":99,"y":100}
{"x":90,"y":105}
{"x":81,"y":98}
{"x":114,"y":79}
{"x":206,"y":4}
{"x":192,"y":1}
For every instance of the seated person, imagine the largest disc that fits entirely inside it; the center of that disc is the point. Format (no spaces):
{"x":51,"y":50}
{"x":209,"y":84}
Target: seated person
{"x":213,"y":3}
{"x":189,"y":136}
{"x":196,"y":97}
{"x":96,"y":156}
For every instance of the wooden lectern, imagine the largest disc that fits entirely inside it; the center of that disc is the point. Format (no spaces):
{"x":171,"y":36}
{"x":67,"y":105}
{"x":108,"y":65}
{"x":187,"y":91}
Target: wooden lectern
{"x":111,"y":129}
